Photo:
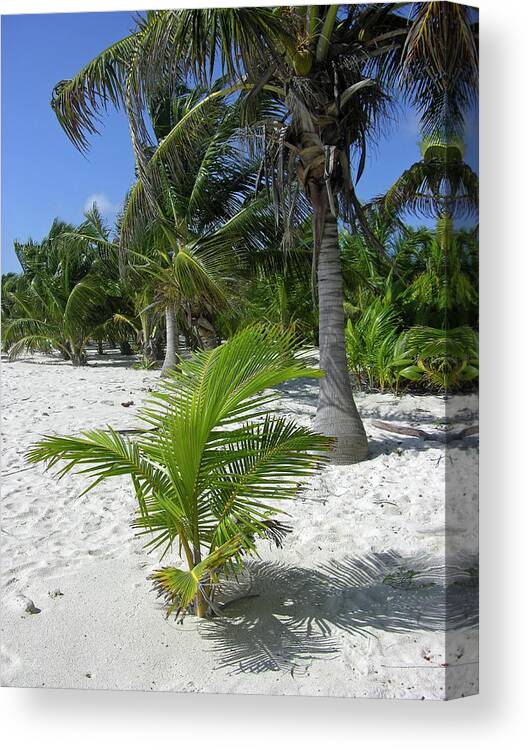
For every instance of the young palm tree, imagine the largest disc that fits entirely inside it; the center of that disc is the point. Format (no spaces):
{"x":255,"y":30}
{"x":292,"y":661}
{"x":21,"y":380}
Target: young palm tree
{"x":444,"y":357}
{"x":213,"y":461}
{"x":327,"y":69}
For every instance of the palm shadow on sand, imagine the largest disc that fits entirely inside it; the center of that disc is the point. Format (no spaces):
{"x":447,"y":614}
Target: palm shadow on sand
{"x":301,"y":614}
{"x":299,"y":399}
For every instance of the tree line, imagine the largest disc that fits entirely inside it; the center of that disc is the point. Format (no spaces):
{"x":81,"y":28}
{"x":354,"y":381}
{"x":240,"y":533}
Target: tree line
{"x":250,"y":129}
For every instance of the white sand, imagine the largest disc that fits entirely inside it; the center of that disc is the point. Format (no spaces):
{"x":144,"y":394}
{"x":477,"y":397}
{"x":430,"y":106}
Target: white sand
{"x":324,"y":621}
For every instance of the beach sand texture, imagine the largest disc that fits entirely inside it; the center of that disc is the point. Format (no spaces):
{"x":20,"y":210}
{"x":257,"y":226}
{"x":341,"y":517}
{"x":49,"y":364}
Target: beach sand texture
{"x":335,"y":612}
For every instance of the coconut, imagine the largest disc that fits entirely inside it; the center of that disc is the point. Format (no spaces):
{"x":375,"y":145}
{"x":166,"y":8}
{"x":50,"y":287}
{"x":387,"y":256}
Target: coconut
{"x":302,"y":62}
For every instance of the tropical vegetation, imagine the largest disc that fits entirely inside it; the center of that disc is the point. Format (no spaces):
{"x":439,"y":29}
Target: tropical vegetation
{"x":250,"y":129}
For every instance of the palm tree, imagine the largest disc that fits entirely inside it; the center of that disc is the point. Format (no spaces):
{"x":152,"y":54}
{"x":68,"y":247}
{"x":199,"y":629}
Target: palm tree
{"x":95,"y":239}
{"x":45,"y":318}
{"x":440,"y":185}
{"x":136,"y":311}
{"x":60,"y":300}
{"x":328,"y":70}
{"x":214,"y":459}
{"x":203,"y":216}
{"x":146,"y":323}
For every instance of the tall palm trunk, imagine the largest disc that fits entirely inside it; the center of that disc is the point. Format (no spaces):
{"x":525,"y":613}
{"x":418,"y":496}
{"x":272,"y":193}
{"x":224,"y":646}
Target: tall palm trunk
{"x":337,"y":415}
{"x":171,"y":348}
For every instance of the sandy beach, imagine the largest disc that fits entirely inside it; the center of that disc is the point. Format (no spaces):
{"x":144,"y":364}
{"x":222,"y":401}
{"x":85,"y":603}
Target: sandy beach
{"x":353,"y":605}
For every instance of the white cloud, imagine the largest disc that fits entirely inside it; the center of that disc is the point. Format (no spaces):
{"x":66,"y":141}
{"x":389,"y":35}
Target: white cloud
{"x":104,"y":204}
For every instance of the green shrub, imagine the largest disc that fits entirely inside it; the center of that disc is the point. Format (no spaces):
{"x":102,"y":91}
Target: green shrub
{"x":381,"y":355}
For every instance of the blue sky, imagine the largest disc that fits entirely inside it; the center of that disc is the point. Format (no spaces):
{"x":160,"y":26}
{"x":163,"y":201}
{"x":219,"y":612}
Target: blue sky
{"x":44,"y":176}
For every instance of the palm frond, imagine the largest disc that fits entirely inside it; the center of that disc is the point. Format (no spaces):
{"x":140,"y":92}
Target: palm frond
{"x":435,"y":187}
{"x":79,"y":101}
{"x":439,"y":69}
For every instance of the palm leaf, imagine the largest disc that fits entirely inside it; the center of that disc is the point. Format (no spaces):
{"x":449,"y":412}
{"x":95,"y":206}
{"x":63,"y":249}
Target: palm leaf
{"x":77,"y":102}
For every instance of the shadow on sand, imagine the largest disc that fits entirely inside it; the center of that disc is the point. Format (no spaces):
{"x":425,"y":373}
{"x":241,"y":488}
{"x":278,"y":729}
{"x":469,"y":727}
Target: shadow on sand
{"x":301,"y":397}
{"x":303,"y":391}
{"x":300,"y":614}
{"x":109,"y":359}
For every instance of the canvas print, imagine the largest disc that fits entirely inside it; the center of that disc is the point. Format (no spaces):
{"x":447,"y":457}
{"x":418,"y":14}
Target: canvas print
{"x":240,"y":350}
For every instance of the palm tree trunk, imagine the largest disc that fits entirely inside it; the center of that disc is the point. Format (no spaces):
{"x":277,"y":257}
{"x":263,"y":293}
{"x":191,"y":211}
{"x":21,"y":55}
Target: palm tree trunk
{"x":200,"y":604}
{"x":78,"y":357}
{"x":171,"y":348}
{"x":337,"y":415}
